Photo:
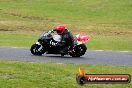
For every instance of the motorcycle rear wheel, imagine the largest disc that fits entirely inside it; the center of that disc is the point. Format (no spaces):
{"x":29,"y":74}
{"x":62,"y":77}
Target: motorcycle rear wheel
{"x":78,"y":50}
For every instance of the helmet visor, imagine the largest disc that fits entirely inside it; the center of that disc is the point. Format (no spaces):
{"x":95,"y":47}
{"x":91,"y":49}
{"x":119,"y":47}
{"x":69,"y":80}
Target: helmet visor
{"x":58,"y":31}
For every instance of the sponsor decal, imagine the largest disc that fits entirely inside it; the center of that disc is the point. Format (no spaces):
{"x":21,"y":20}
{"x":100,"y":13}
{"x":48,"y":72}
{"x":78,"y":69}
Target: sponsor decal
{"x":83,"y":78}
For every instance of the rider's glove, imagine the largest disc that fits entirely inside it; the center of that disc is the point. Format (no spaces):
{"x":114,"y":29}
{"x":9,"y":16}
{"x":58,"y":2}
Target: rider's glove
{"x":53,"y":30}
{"x":53,"y":43}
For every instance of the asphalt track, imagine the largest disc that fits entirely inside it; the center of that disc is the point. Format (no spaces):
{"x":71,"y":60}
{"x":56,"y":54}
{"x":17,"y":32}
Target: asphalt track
{"x":114,"y":58}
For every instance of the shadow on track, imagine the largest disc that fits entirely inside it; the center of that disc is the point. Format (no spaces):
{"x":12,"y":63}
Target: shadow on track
{"x":59,"y":56}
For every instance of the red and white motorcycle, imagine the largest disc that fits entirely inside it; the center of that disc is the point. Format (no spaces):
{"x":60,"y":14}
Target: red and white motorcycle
{"x":43,"y":45}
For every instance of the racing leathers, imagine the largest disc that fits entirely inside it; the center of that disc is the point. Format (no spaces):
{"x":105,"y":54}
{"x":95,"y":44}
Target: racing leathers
{"x":67,"y":40}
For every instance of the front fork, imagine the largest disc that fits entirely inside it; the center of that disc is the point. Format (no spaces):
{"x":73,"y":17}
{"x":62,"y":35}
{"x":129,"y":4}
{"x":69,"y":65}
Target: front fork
{"x":40,"y":48}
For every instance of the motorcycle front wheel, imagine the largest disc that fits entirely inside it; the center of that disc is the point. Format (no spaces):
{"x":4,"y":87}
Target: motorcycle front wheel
{"x":34,"y":50}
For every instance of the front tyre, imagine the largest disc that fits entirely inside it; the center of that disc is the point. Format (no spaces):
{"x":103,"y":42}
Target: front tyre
{"x":35,"y":50}
{"x":78,"y":50}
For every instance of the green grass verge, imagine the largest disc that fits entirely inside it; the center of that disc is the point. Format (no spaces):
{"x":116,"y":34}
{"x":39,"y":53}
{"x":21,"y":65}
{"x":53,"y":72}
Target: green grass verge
{"x":17,"y":39}
{"x":118,"y":43}
{"x":14,"y":74}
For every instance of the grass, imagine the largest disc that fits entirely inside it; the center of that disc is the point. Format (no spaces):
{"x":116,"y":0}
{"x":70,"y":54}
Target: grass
{"x":109,"y":22}
{"x":14,"y":74}
{"x":110,"y":43}
{"x":19,"y":40}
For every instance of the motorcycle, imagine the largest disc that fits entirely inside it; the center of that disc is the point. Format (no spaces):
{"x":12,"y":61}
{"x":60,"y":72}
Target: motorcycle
{"x":43,"y":45}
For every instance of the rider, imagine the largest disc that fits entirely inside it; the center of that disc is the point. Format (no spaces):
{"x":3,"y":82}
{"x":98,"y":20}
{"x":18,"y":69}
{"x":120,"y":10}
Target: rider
{"x":66,"y":38}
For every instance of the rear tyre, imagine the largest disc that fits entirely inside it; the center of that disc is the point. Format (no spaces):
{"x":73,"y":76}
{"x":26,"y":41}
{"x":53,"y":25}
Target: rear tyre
{"x":34,"y":50}
{"x":78,"y":50}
